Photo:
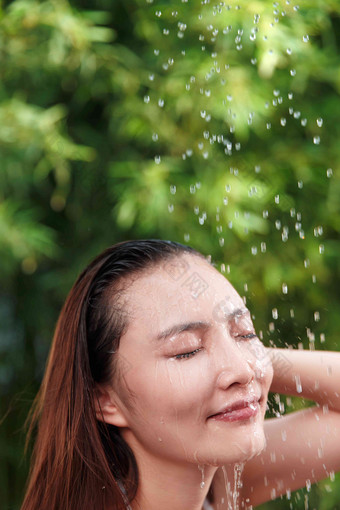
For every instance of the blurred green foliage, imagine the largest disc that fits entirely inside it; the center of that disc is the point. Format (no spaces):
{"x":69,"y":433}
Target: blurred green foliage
{"x":209,"y":123}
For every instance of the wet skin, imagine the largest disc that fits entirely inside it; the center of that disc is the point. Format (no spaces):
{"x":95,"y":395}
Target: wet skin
{"x":173,"y":384}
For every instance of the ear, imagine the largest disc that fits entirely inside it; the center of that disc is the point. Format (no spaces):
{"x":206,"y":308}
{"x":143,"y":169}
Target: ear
{"x":107,"y":409}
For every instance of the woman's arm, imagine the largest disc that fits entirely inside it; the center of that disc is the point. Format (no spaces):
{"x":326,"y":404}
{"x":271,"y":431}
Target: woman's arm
{"x":302,"y":447}
{"x":314,"y":375}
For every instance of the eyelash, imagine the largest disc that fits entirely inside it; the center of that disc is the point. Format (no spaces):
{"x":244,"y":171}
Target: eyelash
{"x":187,"y":355}
{"x":249,"y":336}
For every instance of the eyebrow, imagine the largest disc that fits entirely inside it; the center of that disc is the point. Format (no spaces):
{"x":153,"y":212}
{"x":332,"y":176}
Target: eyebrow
{"x":176,"y":329}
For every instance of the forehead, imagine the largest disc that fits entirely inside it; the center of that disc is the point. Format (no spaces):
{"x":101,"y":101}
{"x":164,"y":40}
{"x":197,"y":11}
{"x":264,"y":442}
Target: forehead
{"x":179,"y":289}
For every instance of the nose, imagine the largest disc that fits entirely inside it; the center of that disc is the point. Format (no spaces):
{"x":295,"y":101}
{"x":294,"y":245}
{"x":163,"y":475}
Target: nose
{"x":235,"y":365}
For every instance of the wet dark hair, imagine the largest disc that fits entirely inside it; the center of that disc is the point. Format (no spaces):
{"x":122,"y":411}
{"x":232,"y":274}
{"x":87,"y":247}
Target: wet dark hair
{"x":78,"y":461}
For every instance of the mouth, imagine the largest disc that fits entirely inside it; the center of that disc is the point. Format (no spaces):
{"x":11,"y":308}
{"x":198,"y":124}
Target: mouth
{"x":238,"y":411}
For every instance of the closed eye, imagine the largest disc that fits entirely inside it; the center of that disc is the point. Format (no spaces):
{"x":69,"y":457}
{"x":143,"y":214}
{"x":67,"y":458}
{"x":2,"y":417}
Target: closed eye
{"x":186,"y":355}
{"x":250,"y":335}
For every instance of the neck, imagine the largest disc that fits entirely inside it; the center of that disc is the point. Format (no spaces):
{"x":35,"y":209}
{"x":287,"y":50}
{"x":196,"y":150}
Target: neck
{"x":166,"y":485}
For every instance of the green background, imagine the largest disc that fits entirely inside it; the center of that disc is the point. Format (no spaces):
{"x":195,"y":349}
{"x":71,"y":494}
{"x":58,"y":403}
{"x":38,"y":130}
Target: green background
{"x":215,"y":124}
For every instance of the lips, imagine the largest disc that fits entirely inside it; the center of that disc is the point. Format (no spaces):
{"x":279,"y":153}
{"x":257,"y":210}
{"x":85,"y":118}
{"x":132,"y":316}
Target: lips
{"x":239,"y":410}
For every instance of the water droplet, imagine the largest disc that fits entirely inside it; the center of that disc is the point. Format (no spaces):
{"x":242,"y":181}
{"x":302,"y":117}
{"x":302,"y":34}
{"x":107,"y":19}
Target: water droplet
{"x":146,"y":99}
{"x":160,"y":102}
{"x":254,"y":250}
{"x":322,"y":337}
{"x":289,"y":51}
{"x":155,"y":137}
{"x":305,"y":38}
{"x":285,"y":288}
{"x":157,"y":160}
{"x":329,"y":173}
{"x":172,"y":189}
{"x":275,"y":313}
{"x":300,"y":184}
{"x":298,"y":384}
{"x":290,"y":95}
{"x":321,"y":249}
{"x":316,"y":316}
{"x":283,"y":121}
{"x":292,"y":72}
{"x":263,"y":247}
{"x":171,"y":208}
{"x":319,"y":122}
{"x":316,"y":140}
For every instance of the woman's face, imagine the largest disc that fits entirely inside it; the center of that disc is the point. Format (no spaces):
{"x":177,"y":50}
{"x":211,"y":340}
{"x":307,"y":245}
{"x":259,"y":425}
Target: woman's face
{"x":190,"y":353}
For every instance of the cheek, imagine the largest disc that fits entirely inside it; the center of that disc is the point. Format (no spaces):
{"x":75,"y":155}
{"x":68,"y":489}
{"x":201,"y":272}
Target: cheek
{"x":261,"y":362}
{"x":170,"y":388}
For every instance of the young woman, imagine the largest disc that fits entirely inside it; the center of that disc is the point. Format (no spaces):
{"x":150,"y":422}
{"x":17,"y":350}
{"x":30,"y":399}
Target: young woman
{"x":155,"y":393}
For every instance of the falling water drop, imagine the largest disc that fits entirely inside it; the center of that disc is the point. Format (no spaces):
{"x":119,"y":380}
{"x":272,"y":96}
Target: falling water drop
{"x":284,"y":288}
{"x":319,"y":122}
{"x":275,"y":313}
{"x":172,"y":189}
{"x":305,"y":38}
{"x":298,"y":384}
{"x":329,"y":173}
{"x":316,"y":140}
